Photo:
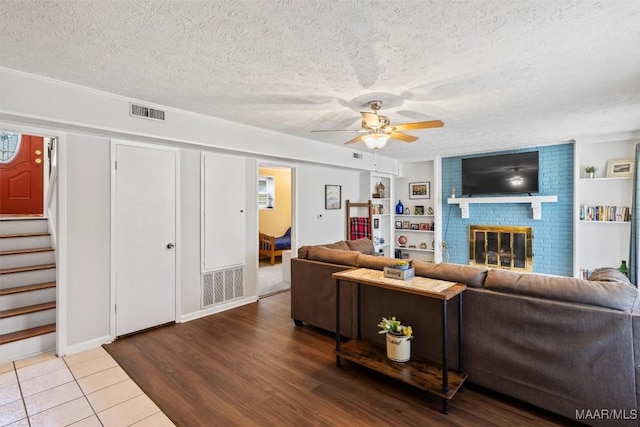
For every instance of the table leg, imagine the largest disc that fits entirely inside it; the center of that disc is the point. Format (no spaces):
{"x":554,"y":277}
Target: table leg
{"x":460,"y":340}
{"x":338,"y":363}
{"x":445,"y":370}
{"x":359,"y":332}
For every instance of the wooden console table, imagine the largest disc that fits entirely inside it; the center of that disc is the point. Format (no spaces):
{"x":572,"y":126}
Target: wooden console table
{"x":432,"y":378}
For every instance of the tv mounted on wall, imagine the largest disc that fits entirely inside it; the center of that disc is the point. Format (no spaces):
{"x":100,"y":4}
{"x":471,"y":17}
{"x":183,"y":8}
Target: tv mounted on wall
{"x":500,"y":174}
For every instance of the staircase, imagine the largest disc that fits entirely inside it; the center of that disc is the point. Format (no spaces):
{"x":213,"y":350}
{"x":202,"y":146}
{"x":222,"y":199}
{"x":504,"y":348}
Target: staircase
{"x":27,"y":289}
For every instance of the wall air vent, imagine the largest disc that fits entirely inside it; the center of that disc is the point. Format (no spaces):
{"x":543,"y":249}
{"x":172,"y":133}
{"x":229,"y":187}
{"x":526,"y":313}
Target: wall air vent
{"x":357,"y":155}
{"x":146,"y":112}
{"x":222,"y":285}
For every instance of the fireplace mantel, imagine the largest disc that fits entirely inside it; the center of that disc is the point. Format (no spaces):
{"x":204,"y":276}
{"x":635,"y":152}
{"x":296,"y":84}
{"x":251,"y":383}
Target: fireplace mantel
{"x":535,"y":201}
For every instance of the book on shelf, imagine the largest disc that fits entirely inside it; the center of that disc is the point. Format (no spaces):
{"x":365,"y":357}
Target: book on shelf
{"x":605,"y":213}
{"x":585,"y":273}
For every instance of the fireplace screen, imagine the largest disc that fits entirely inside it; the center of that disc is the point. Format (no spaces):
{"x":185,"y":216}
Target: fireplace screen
{"x":501,"y":247}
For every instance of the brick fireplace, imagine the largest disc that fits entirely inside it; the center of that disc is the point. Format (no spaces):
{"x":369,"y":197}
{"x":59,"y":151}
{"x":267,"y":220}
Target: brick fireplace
{"x":501,"y":246}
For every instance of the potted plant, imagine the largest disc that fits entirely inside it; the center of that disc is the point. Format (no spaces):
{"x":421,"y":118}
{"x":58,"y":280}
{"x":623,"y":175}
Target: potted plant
{"x":590,"y":170}
{"x":398,"y":339}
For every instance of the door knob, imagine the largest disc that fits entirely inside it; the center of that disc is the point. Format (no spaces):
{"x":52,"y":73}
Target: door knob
{"x":171,"y":246}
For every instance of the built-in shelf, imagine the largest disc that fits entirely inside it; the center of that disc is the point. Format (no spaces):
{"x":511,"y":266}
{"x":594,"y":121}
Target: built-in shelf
{"x":613,"y":178}
{"x":403,"y":248}
{"x":402,"y":230}
{"x":535,"y":201}
{"x":606,"y":222}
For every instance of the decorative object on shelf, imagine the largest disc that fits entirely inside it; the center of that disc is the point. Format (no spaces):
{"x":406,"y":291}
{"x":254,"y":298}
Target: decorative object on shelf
{"x":376,"y":240}
{"x":415,"y":227}
{"x":402,"y":240}
{"x":445,"y":251}
{"x":430,"y":211}
{"x":619,"y":168}
{"x":420,"y":190}
{"x":376,"y":223}
{"x":398,"y":225}
{"x":380,"y":190}
{"x":590,"y":171}
{"x":423,"y":245}
{"x":332,"y":197}
{"x":407,"y":211}
{"x":406,"y":225}
{"x":623,"y":268}
{"x":398,"y":339}
{"x":405,"y":255}
{"x":424,"y":226}
{"x":399,"y":208}
{"x":453,"y":192}
{"x":382,"y":240}
{"x":418,"y":210}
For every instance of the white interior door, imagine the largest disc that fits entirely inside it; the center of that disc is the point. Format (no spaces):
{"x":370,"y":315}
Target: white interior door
{"x":145,"y":237}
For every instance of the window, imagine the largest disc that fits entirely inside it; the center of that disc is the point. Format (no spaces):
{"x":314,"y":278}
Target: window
{"x":266,"y":192}
{"x":9,"y":144}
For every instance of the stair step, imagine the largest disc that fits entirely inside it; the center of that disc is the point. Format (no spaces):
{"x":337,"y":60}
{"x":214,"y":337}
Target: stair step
{"x":26,"y":251}
{"x":29,"y":268}
{"x":23,"y":225}
{"x":26,"y":310}
{"x":27,"y":333}
{"x":27,"y":288}
{"x":12,"y":236}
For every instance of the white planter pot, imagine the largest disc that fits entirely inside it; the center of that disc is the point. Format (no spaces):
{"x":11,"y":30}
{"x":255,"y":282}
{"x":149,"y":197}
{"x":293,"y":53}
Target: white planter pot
{"x":398,"y":347}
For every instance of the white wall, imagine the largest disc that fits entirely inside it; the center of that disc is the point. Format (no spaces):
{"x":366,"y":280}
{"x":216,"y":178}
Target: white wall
{"x":87,"y":238}
{"x":189,"y":231}
{"x":310,"y":196}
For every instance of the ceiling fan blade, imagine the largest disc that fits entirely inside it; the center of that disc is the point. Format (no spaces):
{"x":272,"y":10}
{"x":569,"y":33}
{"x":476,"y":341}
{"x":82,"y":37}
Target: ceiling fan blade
{"x":403,"y":137}
{"x":419,"y":125}
{"x":356,"y":139}
{"x":340,"y":130}
{"x":371,"y":119}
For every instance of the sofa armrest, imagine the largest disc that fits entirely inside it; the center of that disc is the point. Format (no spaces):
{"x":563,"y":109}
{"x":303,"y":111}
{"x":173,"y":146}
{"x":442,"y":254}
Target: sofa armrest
{"x":313,"y":296}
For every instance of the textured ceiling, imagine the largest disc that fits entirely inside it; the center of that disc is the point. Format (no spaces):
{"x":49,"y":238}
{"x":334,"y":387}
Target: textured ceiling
{"x":500,"y":74}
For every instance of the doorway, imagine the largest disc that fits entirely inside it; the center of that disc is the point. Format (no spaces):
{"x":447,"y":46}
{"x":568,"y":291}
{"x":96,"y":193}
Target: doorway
{"x":22,"y":178}
{"x":275,"y":219}
{"x":145,"y":191}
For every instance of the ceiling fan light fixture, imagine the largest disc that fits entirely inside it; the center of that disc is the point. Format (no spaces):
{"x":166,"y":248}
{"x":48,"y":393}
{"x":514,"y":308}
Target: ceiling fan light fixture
{"x":376,"y":141}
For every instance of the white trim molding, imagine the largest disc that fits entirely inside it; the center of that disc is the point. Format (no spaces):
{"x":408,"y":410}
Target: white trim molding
{"x":535,"y":201}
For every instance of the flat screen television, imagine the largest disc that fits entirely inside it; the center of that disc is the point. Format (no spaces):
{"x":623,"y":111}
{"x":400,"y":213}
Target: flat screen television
{"x":500,"y":174}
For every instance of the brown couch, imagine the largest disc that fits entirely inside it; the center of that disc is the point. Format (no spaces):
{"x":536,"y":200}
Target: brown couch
{"x":567,"y":345}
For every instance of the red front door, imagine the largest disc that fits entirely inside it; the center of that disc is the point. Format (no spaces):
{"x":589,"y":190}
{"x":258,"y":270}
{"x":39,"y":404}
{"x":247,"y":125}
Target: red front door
{"x":21,"y":178}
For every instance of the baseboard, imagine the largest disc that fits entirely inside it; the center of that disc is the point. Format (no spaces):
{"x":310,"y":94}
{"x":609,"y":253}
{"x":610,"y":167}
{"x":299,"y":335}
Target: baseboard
{"x":86,"y":345}
{"x":28,"y":347}
{"x":217,"y":309}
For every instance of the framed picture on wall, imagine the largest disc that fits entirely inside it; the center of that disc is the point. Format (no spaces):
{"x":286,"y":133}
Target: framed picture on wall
{"x":619,"y":168}
{"x":332,"y":196}
{"x":420,"y":190}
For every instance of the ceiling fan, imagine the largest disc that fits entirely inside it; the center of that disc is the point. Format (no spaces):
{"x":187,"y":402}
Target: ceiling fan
{"x":377,"y":129}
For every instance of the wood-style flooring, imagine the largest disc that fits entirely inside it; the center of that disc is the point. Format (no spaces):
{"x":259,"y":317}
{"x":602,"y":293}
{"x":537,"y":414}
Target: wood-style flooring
{"x":251,"y":366}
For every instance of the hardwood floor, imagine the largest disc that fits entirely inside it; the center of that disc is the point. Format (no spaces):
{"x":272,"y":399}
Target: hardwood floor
{"x":252,"y":366}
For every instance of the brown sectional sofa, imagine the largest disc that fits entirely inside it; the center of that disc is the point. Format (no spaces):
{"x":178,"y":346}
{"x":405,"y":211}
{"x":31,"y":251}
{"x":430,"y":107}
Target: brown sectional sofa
{"x":567,"y":345}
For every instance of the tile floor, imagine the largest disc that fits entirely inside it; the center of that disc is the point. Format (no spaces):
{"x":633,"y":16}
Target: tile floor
{"x":85,"y":389}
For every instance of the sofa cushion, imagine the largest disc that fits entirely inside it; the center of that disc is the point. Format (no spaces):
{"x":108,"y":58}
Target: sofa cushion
{"x":375,"y":262}
{"x":616,"y":295}
{"x":363,"y":245}
{"x":608,"y":274}
{"x":469,"y":274}
{"x":333,"y":256}
{"x":303,"y":251}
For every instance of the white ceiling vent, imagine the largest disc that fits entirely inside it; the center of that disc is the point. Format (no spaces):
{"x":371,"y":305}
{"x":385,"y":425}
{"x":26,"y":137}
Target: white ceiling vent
{"x":146,"y":112}
{"x":357,"y":155}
